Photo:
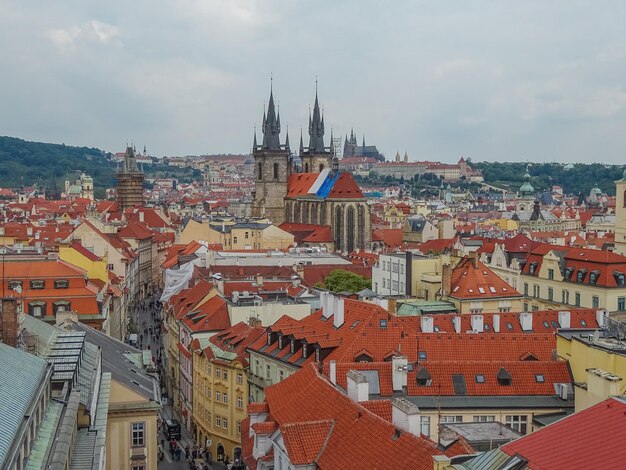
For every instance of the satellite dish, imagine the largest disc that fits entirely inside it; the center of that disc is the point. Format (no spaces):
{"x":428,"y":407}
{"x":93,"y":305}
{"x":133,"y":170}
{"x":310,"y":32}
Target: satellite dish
{"x":18,"y":289}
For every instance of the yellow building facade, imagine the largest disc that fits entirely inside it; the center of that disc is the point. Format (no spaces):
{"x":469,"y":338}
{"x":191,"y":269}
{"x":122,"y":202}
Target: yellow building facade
{"x":96,"y":268}
{"x":220,"y":389}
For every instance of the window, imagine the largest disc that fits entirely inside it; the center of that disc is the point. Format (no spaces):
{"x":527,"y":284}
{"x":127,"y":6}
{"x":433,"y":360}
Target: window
{"x":577,"y":299}
{"x":621,"y":303}
{"x":109,"y":267}
{"x":260,"y":172}
{"x":619,"y":278}
{"x":225,"y":374}
{"x":568,"y":273}
{"x":451,"y":419}
{"x":281,"y":375}
{"x":425,"y":425}
{"x":60,"y":306}
{"x":37,"y":309}
{"x":533,"y":268}
{"x":480,"y":379}
{"x":536,"y":291}
{"x":239,"y":378}
{"x":239,"y":401}
{"x":37,"y":284}
{"x":535,"y":308}
{"x":138,"y":467}
{"x":218,"y":421}
{"x":421,"y":355}
{"x":276,"y":171}
{"x":525,"y":288}
{"x":550,"y":293}
{"x":509,"y":326}
{"x":246,"y":235}
{"x":550,"y":274}
{"x":580,"y":275}
{"x":225,"y":423}
{"x":138,"y":434}
{"x":565,"y":297}
{"x":15,"y":284}
{"x":517,"y":422}
{"x":384,"y":283}
{"x":218,"y":372}
{"x":225,"y":397}
{"x":539,"y":378}
{"x":208,"y":368}
{"x":525,"y":307}
{"x":593,"y":277}
{"x":234,"y":240}
{"x":238,"y":427}
{"x":484,"y":419}
{"x":61,"y":284}
{"x":218,"y":396}
{"x":595,"y":301}
{"x":267,"y":371}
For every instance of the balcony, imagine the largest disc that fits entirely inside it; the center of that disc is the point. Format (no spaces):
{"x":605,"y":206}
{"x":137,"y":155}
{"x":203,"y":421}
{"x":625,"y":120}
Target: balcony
{"x":258,"y":381}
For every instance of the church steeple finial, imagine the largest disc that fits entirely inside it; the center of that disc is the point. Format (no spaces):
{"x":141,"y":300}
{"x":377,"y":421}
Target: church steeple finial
{"x":254,"y":144}
{"x":316,"y":127}
{"x":287,"y":138}
{"x":271,"y":124}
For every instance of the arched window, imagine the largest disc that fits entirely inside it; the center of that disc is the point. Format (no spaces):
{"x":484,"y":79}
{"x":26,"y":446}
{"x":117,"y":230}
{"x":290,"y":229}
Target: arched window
{"x":321,"y":167}
{"x":298,"y":213}
{"x":322,"y":215}
{"x":260,"y":173}
{"x":275,"y":171}
{"x":350,"y":216}
{"x":306,"y":167}
{"x":338,"y":228}
{"x":361,"y":226}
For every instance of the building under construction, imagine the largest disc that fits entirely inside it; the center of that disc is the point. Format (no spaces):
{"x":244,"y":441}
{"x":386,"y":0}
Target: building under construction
{"x":130,"y":182}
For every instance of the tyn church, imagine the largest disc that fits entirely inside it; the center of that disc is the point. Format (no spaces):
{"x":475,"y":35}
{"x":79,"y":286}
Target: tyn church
{"x":315,"y":192}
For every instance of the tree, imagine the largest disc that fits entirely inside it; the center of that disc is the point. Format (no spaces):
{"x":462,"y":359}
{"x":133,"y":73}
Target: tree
{"x":341,"y":280}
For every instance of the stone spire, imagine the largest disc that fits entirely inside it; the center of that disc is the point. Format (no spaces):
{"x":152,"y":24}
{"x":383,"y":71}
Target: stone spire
{"x":332,"y":144}
{"x":130,"y":162}
{"x":301,"y":143}
{"x":316,"y":127}
{"x":406,"y":157}
{"x":254,"y":144}
{"x":363,"y":142}
{"x":397,"y":155}
{"x":271,"y":126}
{"x":287,"y":139}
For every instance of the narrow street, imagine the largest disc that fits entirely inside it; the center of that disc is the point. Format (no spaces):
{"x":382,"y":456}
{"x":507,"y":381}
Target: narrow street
{"x":147,"y":317}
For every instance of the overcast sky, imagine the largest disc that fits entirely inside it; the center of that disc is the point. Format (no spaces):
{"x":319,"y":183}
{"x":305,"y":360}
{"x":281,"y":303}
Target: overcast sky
{"x":498,"y":80}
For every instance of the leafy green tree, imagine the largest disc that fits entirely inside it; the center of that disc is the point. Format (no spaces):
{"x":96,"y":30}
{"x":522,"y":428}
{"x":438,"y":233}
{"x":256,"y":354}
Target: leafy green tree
{"x":341,"y":280}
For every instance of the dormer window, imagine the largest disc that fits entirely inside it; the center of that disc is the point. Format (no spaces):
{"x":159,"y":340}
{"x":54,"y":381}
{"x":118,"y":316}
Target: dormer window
{"x":61,"y":284}
{"x":568,"y":273}
{"x":292,"y":346}
{"x":37,"y":284}
{"x":619,"y":278}
{"x":580,"y":276}
{"x":269,"y":337}
{"x":280,"y":342}
{"x":423,"y":377}
{"x":304,"y":351}
{"x":504,"y":377}
{"x":15,"y":284}
{"x":533,"y":267}
{"x":317,"y":354}
{"x":593,"y":277}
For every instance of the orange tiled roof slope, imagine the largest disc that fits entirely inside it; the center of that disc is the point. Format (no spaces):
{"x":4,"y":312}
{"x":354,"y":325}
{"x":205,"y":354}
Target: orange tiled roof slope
{"x":471,"y":279}
{"x":329,"y":430}
{"x":578,"y":441}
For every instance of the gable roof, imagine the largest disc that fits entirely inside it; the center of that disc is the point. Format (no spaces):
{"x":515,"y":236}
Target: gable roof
{"x":563,"y":444}
{"x":471,"y":279}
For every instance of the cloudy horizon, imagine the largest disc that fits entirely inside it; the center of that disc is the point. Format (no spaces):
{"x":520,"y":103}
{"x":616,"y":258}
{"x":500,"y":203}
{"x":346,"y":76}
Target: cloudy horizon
{"x":508,"y":81}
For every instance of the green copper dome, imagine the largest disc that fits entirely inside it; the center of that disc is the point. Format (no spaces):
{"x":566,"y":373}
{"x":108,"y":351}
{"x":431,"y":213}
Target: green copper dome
{"x":526,"y":189}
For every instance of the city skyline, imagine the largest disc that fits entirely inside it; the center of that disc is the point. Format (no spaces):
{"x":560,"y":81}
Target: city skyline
{"x":510,"y":82}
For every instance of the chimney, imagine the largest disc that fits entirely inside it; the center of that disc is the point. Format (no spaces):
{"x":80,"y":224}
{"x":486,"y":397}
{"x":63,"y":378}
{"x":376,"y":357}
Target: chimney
{"x":358,"y":387}
{"x":338,"y":312}
{"x":391,"y":306}
{"x":496,"y":323}
{"x":398,"y":372}
{"x":10,"y":324}
{"x":601,"y":318}
{"x":526,"y":321}
{"x":259,"y":280}
{"x":456,"y":321}
{"x":333,"y":372}
{"x":446,"y":279}
{"x":477,"y":323}
{"x":427,"y":324}
{"x":564,"y":319}
{"x":405,"y":416}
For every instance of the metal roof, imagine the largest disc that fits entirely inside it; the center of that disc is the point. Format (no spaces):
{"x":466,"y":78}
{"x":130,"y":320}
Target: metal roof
{"x":21,"y":377}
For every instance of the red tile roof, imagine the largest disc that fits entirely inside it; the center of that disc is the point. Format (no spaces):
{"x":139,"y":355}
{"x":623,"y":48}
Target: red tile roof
{"x":84,"y":251}
{"x":471,"y":279}
{"x":305,"y":441}
{"x":298,"y":184}
{"x":358,"y":437}
{"x":591,"y":438}
{"x":212,"y":315}
{"x":345,"y":188}
{"x":392,"y":237}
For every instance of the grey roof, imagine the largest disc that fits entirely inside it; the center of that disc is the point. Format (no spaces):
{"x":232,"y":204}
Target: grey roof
{"x":494,"y":430}
{"x":116,"y":359}
{"x":492,"y":460}
{"x":21,"y":377}
{"x":490,"y":402}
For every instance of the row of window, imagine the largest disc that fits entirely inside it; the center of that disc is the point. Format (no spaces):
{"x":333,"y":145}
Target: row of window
{"x":38,"y":308}
{"x":393,"y":267}
{"x":517,"y":422}
{"x":565,"y":297}
{"x":223,"y":373}
{"x":393,"y":285}
{"x":40,"y":284}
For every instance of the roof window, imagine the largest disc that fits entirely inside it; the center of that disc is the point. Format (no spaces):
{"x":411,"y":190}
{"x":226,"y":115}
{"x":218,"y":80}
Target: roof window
{"x":423,"y":377}
{"x":422,"y":355}
{"x":504,"y":377}
{"x":480,"y":379}
{"x":539,"y":378}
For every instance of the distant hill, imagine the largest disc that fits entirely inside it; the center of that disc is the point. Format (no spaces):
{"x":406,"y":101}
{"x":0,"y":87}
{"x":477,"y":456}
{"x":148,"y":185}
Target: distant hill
{"x":24,"y":163}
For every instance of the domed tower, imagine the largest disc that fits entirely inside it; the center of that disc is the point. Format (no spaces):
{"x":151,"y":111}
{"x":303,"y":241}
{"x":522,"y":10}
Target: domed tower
{"x":526,"y":195}
{"x":271,"y":168}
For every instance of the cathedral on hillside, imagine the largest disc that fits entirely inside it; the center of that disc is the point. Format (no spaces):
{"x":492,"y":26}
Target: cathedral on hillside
{"x":314,"y":194}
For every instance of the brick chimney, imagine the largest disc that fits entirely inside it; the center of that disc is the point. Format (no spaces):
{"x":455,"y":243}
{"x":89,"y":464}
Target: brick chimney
{"x":358,"y":387}
{"x":405,"y":415}
{"x":10,"y":325}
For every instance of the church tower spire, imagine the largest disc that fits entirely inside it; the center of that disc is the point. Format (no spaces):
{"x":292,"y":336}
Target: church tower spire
{"x":271,"y":126}
{"x":301,"y":143}
{"x":316,"y":127}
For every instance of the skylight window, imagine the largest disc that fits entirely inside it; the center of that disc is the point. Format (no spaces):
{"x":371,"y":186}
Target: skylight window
{"x":481,"y":290}
{"x":509,"y":325}
{"x":456,"y":288}
{"x":583,"y":323}
{"x":539,"y":378}
{"x":492,"y":289}
{"x":471,"y":291}
{"x":480,"y":379}
{"x":383,"y":323}
{"x":422,"y":355}
{"x":546,"y":324}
